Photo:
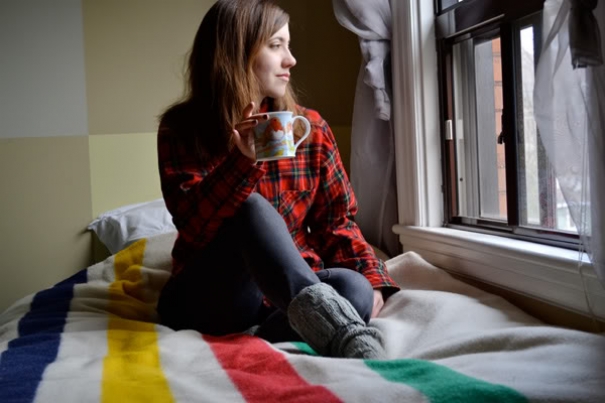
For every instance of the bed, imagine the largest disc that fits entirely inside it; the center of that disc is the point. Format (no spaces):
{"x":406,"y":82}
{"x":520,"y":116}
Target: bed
{"x":95,"y":337}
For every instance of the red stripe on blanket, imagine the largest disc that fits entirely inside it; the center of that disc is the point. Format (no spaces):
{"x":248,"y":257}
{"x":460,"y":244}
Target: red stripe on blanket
{"x":263,"y":374}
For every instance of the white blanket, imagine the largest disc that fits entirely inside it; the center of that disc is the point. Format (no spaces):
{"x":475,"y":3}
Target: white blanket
{"x":95,"y":337}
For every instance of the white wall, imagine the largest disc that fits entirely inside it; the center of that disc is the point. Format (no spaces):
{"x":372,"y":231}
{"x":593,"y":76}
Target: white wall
{"x":42,"y":79}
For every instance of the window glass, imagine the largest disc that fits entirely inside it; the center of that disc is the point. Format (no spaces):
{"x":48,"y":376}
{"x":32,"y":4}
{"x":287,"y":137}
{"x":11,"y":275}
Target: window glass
{"x":497,"y":175}
{"x":480,"y":157}
{"x":477,"y":90}
{"x":542,"y":203}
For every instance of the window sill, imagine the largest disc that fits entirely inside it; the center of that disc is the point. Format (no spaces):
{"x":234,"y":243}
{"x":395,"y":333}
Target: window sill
{"x":546,"y":273}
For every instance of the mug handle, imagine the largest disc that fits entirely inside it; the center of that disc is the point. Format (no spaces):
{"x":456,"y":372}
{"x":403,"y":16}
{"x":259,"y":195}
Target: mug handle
{"x":307,"y":129}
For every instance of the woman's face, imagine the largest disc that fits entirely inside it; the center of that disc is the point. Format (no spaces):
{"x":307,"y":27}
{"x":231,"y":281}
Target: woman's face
{"x":273,"y":64}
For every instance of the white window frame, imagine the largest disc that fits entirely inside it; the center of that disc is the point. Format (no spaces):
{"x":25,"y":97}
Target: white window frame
{"x":554,"y":275}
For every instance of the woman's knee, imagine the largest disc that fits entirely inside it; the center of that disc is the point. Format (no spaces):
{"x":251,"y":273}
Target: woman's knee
{"x":254,"y":204}
{"x":258,"y":214}
{"x":353,"y":286}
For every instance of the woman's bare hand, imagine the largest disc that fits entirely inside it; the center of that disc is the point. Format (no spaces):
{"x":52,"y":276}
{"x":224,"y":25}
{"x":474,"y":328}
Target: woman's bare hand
{"x":378,"y":303}
{"x":243,"y":134}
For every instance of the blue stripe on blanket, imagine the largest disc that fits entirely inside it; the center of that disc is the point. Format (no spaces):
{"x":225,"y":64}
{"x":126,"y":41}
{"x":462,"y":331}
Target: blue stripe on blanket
{"x":23,"y":363}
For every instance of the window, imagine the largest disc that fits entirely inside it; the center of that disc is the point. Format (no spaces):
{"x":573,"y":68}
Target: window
{"x":498,"y":178}
{"x":424,"y":103}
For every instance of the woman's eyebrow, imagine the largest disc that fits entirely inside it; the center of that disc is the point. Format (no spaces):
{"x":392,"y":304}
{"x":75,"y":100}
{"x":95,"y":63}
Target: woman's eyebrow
{"x":280,"y":38}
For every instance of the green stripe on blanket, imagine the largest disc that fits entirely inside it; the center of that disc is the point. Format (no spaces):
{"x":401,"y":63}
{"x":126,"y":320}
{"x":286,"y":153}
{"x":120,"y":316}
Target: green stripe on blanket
{"x":443,"y":385}
{"x":438,"y":383}
{"x":304,"y":347}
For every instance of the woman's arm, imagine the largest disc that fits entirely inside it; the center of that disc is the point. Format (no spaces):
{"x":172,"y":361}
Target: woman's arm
{"x":200,"y":196}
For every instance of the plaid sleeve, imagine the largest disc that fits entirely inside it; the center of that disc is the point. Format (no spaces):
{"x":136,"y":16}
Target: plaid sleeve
{"x":339,"y":240}
{"x":201,"y":195}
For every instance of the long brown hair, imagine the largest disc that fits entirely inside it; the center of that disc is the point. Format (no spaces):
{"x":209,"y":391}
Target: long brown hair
{"x":220,"y":77}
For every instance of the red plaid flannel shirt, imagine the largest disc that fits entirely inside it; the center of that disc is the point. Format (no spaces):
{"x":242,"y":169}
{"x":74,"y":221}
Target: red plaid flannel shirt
{"x":311,"y":192}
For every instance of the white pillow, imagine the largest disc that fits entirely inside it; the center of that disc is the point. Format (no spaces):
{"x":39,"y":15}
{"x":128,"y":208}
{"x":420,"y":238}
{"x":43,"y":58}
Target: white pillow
{"x":120,"y":227}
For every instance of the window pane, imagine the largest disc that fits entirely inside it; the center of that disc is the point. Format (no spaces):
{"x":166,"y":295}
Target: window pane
{"x":542,"y":203}
{"x":478,"y":104}
{"x":474,"y":90}
{"x":528,"y":137}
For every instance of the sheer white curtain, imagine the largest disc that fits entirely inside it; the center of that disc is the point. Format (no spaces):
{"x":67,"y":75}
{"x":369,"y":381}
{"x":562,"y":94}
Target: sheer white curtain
{"x":372,"y":146}
{"x":569,"y":100}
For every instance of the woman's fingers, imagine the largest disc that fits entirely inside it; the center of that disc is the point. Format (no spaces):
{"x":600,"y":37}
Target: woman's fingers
{"x":251,"y":122}
{"x":259,"y":116}
{"x":244,"y":146}
{"x":248,"y":110}
{"x":242,"y":132}
{"x":246,"y":124}
{"x":378,"y":303}
{"x":248,"y":116}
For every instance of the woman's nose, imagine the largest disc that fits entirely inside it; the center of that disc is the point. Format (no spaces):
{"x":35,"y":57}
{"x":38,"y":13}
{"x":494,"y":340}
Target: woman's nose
{"x":289,"y":61}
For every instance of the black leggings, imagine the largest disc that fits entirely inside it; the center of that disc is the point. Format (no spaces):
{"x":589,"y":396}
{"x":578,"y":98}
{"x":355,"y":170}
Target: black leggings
{"x":220,"y":291}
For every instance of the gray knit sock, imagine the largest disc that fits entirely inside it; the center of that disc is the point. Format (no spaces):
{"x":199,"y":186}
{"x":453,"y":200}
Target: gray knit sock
{"x":331,"y":326}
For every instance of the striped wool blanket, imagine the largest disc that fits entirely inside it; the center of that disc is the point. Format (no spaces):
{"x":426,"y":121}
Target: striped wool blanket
{"x":94,"y":338}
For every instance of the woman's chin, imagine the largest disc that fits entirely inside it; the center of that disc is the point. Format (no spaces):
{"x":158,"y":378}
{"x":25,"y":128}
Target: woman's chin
{"x":277,"y":93}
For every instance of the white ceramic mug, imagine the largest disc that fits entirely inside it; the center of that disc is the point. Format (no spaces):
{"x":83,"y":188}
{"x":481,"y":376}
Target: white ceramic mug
{"x":274,"y":139}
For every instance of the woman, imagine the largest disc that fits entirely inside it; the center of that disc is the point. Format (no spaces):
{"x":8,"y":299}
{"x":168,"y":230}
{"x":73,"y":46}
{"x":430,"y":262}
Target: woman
{"x":269,"y":248}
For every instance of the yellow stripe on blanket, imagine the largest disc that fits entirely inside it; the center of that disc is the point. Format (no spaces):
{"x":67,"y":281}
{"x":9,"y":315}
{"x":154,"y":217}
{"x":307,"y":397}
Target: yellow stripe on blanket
{"x":131,"y":369}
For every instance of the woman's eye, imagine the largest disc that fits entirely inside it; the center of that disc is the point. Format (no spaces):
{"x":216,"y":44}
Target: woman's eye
{"x":274,"y":46}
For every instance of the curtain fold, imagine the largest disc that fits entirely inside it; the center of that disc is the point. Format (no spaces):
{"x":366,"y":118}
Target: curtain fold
{"x":569,"y":106}
{"x":372,"y":146}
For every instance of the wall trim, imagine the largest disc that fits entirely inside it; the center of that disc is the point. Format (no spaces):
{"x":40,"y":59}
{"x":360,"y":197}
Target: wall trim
{"x":550,"y":274}
{"x":416,"y":113}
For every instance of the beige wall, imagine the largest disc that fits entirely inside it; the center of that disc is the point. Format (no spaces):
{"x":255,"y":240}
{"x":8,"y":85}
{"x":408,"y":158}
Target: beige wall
{"x":135,"y":52}
{"x":44,"y":209}
{"x":129,"y":176}
{"x":329,"y":59}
